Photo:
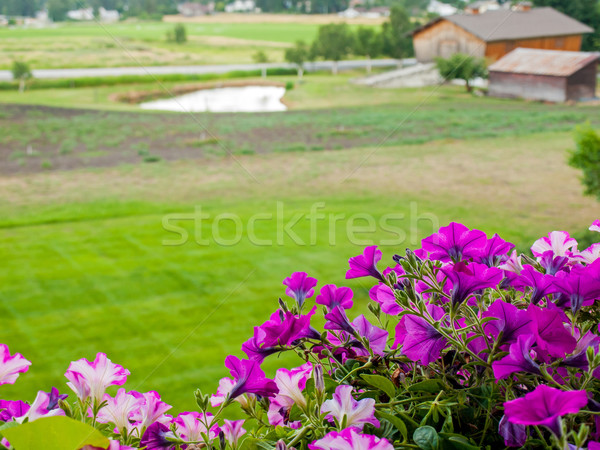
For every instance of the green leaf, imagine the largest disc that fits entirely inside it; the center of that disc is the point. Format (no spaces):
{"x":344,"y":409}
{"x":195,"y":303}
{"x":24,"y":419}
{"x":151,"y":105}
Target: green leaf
{"x":431,"y":386}
{"x":54,"y":433}
{"x":458,"y":441}
{"x":382,"y":383}
{"x":426,"y":438}
{"x":396,"y":422}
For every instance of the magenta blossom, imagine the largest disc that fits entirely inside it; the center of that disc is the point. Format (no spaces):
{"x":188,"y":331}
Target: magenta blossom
{"x":539,"y":284}
{"x":384,"y":295}
{"x":338,"y":320}
{"x":343,"y":409}
{"x":559,"y":242}
{"x":511,"y":321}
{"x":544,"y":407}
{"x":300,"y":287}
{"x":155,"y":438}
{"x":233,"y":431}
{"x":9,"y":409}
{"x":551,"y":334}
{"x":579,"y":287}
{"x":553,"y":264}
{"x":365,"y":265}
{"x":90,"y":379}
{"x":595,"y":226}
{"x":454,"y":243}
{"x":350,"y":439}
{"x":11,"y":365}
{"x":514,"y":434}
{"x":467,"y":279}
{"x":421,"y":341}
{"x":518,"y":359}
{"x":249,"y":378}
{"x":375,"y":336}
{"x":589,"y":255}
{"x":332,"y":296}
{"x":290,"y":384}
{"x":495,"y":251}
{"x":40,"y":408}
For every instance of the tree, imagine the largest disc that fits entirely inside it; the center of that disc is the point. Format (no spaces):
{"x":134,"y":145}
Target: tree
{"x":57,"y":9}
{"x":462,"y":67}
{"x":586,"y":157}
{"x":178,"y":34}
{"x":260,"y":57}
{"x":586,"y":11}
{"x":298,"y":55}
{"x":368,"y":43}
{"x":22,"y":72}
{"x":334,"y":42}
{"x":397,"y":42}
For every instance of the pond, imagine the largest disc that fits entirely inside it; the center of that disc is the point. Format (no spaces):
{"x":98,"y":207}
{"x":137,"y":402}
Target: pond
{"x":226,"y":99}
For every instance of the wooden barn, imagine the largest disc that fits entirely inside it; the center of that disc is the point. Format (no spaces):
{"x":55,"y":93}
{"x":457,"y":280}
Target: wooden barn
{"x":549,"y":75}
{"x":493,"y":34}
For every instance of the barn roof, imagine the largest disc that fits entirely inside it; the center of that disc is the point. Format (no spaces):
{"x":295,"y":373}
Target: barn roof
{"x":543,"y":62}
{"x":506,"y":24}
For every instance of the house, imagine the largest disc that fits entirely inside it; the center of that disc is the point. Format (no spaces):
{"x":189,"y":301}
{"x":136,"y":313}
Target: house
{"x":192,"y":9}
{"x":374,"y":12}
{"x":493,"y":34}
{"x":87,"y":14}
{"x":549,"y":75}
{"x":241,"y":6}
{"x":441,"y":9}
{"x":482,"y":6}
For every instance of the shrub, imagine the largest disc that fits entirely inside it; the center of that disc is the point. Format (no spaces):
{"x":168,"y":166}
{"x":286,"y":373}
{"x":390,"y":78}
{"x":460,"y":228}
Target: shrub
{"x":469,"y":345}
{"x":586,"y":157}
{"x":178,"y":34}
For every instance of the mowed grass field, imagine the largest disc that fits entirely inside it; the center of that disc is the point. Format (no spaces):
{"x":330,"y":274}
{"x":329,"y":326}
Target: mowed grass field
{"x":71,"y":45}
{"x":89,"y":265}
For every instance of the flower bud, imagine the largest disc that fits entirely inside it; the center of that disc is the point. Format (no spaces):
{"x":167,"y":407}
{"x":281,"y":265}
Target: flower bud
{"x":319,"y":380}
{"x":222,"y":443}
{"x":66,"y":407}
{"x":201,"y":400}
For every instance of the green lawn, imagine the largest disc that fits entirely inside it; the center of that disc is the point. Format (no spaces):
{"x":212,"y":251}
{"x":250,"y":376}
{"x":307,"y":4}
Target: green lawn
{"x":86,"y":268}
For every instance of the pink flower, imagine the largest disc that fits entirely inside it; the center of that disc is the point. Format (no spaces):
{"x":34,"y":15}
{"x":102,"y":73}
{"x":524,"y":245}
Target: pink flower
{"x":40,"y":408}
{"x":191,"y":426}
{"x":120,"y":409}
{"x":343,"y":409}
{"x":595,"y":226}
{"x":233,"y":431}
{"x":350,"y":439}
{"x":559,"y":242}
{"x":11,"y":365}
{"x":290,"y":383}
{"x":384,"y":295}
{"x":90,"y":379}
{"x":151,"y":410}
{"x":544,"y":407}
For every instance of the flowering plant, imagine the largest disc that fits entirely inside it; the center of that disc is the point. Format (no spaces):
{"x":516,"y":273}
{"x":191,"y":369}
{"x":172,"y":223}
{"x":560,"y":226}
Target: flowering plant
{"x":470,"y":345}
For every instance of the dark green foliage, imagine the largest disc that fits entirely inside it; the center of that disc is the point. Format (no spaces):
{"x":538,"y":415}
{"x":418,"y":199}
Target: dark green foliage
{"x":21,"y":70}
{"x":26,"y":8}
{"x":586,"y":11}
{"x":298,"y":55}
{"x":368,"y":42}
{"x":462,"y":67}
{"x":334,"y":42}
{"x":178,"y":34}
{"x":586,"y":157}
{"x":260,"y":57}
{"x":397,"y":41}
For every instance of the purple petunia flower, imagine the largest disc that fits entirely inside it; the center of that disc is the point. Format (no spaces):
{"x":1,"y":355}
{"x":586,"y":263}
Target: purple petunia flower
{"x":350,"y":439}
{"x":544,"y":407}
{"x":344,"y":409}
{"x":559,"y":242}
{"x":155,"y":438}
{"x":300,"y":287}
{"x":553,"y":264}
{"x":365,"y":265}
{"x":540,"y":284}
{"x":495,"y":251}
{"x":376,"y":337}
{"x":454,"y":243}
{"x":39,"y":408}
{"x":514,"y":434}
{"x":511,"y":321}
{"x":10,"y":409}
{"x":332,"y":296}
{"x":551,"y":334}
{"x":467,"y":279}
{"x":290,"y":384}
{"x":384,"y":295}
{"x":420,"y":341}
{"x":518,"y":359}
{"x":54,"y":396}
{"x":90,"y":379}
{"x":282,"y":329}
{"x":579,"y":287}
{"x":249,"y":378}
{"x":579,"y":357}
{"x":337,"y":320}
{"x":11,"y":365}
